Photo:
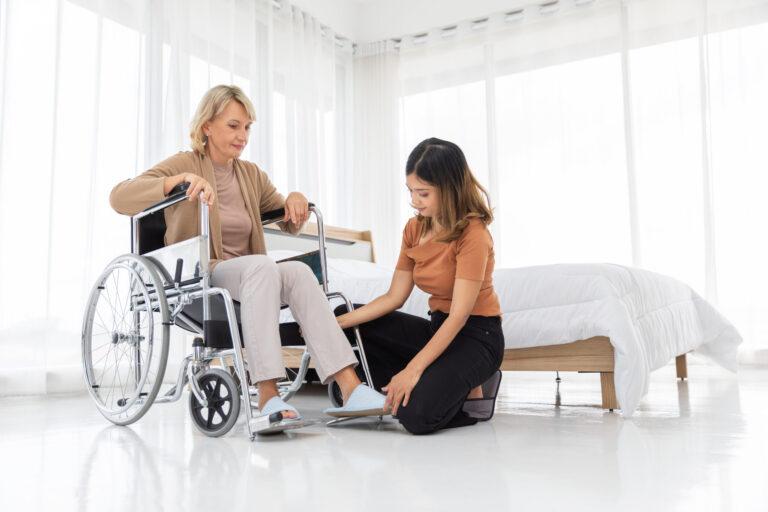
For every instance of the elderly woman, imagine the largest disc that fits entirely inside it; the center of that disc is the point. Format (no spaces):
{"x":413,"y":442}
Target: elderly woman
{"x":237,"y":192}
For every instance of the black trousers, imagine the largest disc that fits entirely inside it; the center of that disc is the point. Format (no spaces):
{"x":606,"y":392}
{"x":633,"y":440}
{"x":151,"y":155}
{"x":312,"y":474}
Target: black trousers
{"x":390,"y":342}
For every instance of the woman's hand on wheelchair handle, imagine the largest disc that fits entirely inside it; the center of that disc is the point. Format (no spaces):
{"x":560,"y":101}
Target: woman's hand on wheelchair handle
{"x":296,"y":208}
{"x":198,"y":185}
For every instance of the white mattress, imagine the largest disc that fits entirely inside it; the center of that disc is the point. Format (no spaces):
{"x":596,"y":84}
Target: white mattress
{"x":649,"y":318}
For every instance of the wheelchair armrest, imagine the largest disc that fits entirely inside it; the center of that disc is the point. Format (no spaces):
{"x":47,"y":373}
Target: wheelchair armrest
{"x":273,"y":216}
{"x":177,"y":194}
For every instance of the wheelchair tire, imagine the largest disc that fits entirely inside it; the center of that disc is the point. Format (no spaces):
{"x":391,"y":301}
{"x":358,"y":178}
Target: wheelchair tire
{"x":124,"y":344}
{"x":223,"y":396}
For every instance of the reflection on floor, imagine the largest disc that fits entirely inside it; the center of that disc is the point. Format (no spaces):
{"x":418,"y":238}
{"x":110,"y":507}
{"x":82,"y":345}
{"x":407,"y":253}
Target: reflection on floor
{"x":696,"y":445}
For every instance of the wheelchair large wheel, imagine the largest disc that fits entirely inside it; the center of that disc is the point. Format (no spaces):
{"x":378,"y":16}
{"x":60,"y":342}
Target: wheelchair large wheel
{"x":125,"y":338}
{"x":223,"y":396}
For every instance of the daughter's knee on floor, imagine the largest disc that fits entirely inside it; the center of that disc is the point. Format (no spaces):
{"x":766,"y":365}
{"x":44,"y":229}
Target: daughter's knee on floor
{"x":418,"y":419}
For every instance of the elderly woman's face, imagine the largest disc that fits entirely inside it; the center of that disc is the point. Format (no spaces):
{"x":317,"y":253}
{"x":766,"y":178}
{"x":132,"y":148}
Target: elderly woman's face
{"x":228,"y":132}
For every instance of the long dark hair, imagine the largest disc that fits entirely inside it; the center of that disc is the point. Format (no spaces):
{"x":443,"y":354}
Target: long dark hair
{"x":442,"y":164}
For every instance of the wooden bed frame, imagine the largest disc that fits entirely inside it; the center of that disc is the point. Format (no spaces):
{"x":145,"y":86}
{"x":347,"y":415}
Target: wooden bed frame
{"x":593,"y":355}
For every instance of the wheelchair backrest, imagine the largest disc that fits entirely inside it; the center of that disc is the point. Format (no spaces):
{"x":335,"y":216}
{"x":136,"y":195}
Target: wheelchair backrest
{"x":151,"y":232}
{"x":183,"y":260}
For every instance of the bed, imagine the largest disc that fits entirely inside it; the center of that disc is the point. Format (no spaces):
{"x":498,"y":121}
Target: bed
{"x":619,"y":322}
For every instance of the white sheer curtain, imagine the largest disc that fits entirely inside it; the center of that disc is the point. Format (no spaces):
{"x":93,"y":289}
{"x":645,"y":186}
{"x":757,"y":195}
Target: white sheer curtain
{"x":377,"y":184}
{"x":93,"y":92}
{"x":617,"y":131}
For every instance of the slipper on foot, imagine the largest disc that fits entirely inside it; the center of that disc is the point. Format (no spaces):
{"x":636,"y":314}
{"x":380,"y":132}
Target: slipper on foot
{"x":271,"y":417}
{"x":363,"y":401}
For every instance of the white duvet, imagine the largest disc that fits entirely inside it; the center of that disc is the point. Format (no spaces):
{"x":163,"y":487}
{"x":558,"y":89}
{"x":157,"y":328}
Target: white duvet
{"x":649,"y":318}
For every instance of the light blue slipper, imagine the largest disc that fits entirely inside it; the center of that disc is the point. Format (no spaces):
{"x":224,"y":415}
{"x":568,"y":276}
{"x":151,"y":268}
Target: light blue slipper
{"x":270,"y":418}
{"x":363,"y":401}
{"x":277,"y":404}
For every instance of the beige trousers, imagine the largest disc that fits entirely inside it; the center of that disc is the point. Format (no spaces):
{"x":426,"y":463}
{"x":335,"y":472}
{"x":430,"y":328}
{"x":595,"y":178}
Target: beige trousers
{"x":261,"y":286}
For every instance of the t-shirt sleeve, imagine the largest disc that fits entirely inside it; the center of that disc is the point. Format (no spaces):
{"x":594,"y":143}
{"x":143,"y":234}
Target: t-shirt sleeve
{"x":404,"y":262}
{"x":472,"y":252}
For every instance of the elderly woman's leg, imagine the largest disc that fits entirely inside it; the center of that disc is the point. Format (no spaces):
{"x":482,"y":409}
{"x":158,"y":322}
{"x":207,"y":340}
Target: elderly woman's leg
{"x":255,"y":282}
{"x":329,"y":348}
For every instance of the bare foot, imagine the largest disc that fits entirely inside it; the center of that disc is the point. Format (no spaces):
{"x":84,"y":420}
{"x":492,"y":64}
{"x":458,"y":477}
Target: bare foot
{"x":476,"y":392}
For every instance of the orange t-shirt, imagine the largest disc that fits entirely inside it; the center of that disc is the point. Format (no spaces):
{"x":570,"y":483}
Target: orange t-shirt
{"x":436,"y":265}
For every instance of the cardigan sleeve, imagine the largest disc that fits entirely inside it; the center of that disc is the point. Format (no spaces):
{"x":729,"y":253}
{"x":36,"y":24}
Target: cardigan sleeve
{"x":270,"y":199}
{"x":131,"y":196}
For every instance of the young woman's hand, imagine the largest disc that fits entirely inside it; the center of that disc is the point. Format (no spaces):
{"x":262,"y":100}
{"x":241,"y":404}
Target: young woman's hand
{"x":400,"y":387}
{"x":296,"y":208}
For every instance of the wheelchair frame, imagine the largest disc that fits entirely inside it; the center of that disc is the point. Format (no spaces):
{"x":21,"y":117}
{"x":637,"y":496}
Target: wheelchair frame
{"x":177,"y":294}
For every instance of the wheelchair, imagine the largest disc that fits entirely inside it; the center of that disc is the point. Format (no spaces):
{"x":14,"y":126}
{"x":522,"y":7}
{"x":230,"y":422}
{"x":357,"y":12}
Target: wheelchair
{"x":138,"y":298}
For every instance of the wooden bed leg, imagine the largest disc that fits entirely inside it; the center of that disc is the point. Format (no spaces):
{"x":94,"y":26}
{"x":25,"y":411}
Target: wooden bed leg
{"x":682,"y":367}
{"x":609,"y":391}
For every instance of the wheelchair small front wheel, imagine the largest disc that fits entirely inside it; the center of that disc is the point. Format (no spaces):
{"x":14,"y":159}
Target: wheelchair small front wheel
{"x":222,"y":393}
{"x":125,"y":338}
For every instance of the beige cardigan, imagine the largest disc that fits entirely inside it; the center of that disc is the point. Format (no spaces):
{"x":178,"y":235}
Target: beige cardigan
{"x":182,"y":219}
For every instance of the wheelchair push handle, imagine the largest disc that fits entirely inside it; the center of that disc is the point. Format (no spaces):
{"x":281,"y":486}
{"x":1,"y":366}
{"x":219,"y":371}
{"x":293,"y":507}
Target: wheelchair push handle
{"x":273,"y":216}
{"x":176,"y":195}
{"x":181,"y":188}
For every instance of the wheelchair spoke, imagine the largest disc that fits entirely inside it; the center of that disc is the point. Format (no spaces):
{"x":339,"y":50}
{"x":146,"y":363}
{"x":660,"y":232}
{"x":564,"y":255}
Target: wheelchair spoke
{"x":111,"y":384}
{"x":122,"y":305}
{"x":111,"y":301}
{"x":102,"y":323}
{"x":100,"y":333}
{"x":116,"y":376}
{"x":115,"y":282}
{"x":104,"y":372}
{"x":100,"y":359}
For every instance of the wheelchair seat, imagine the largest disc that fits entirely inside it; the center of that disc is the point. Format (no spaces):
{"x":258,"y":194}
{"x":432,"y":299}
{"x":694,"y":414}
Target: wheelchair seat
{"x":217,"y":334}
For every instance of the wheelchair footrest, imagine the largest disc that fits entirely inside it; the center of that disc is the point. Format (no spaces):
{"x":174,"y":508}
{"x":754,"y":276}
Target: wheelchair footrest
{"x":274,"y":424}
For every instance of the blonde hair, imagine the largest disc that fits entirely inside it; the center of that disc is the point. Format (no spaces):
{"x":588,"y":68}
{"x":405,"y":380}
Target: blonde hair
{"x":211,"y":105}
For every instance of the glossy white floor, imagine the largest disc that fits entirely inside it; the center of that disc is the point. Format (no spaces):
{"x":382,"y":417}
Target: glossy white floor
{"x":696,"y":445}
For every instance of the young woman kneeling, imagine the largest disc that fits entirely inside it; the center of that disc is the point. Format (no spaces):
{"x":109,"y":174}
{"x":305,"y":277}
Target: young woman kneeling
{"x":430,"y":368}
